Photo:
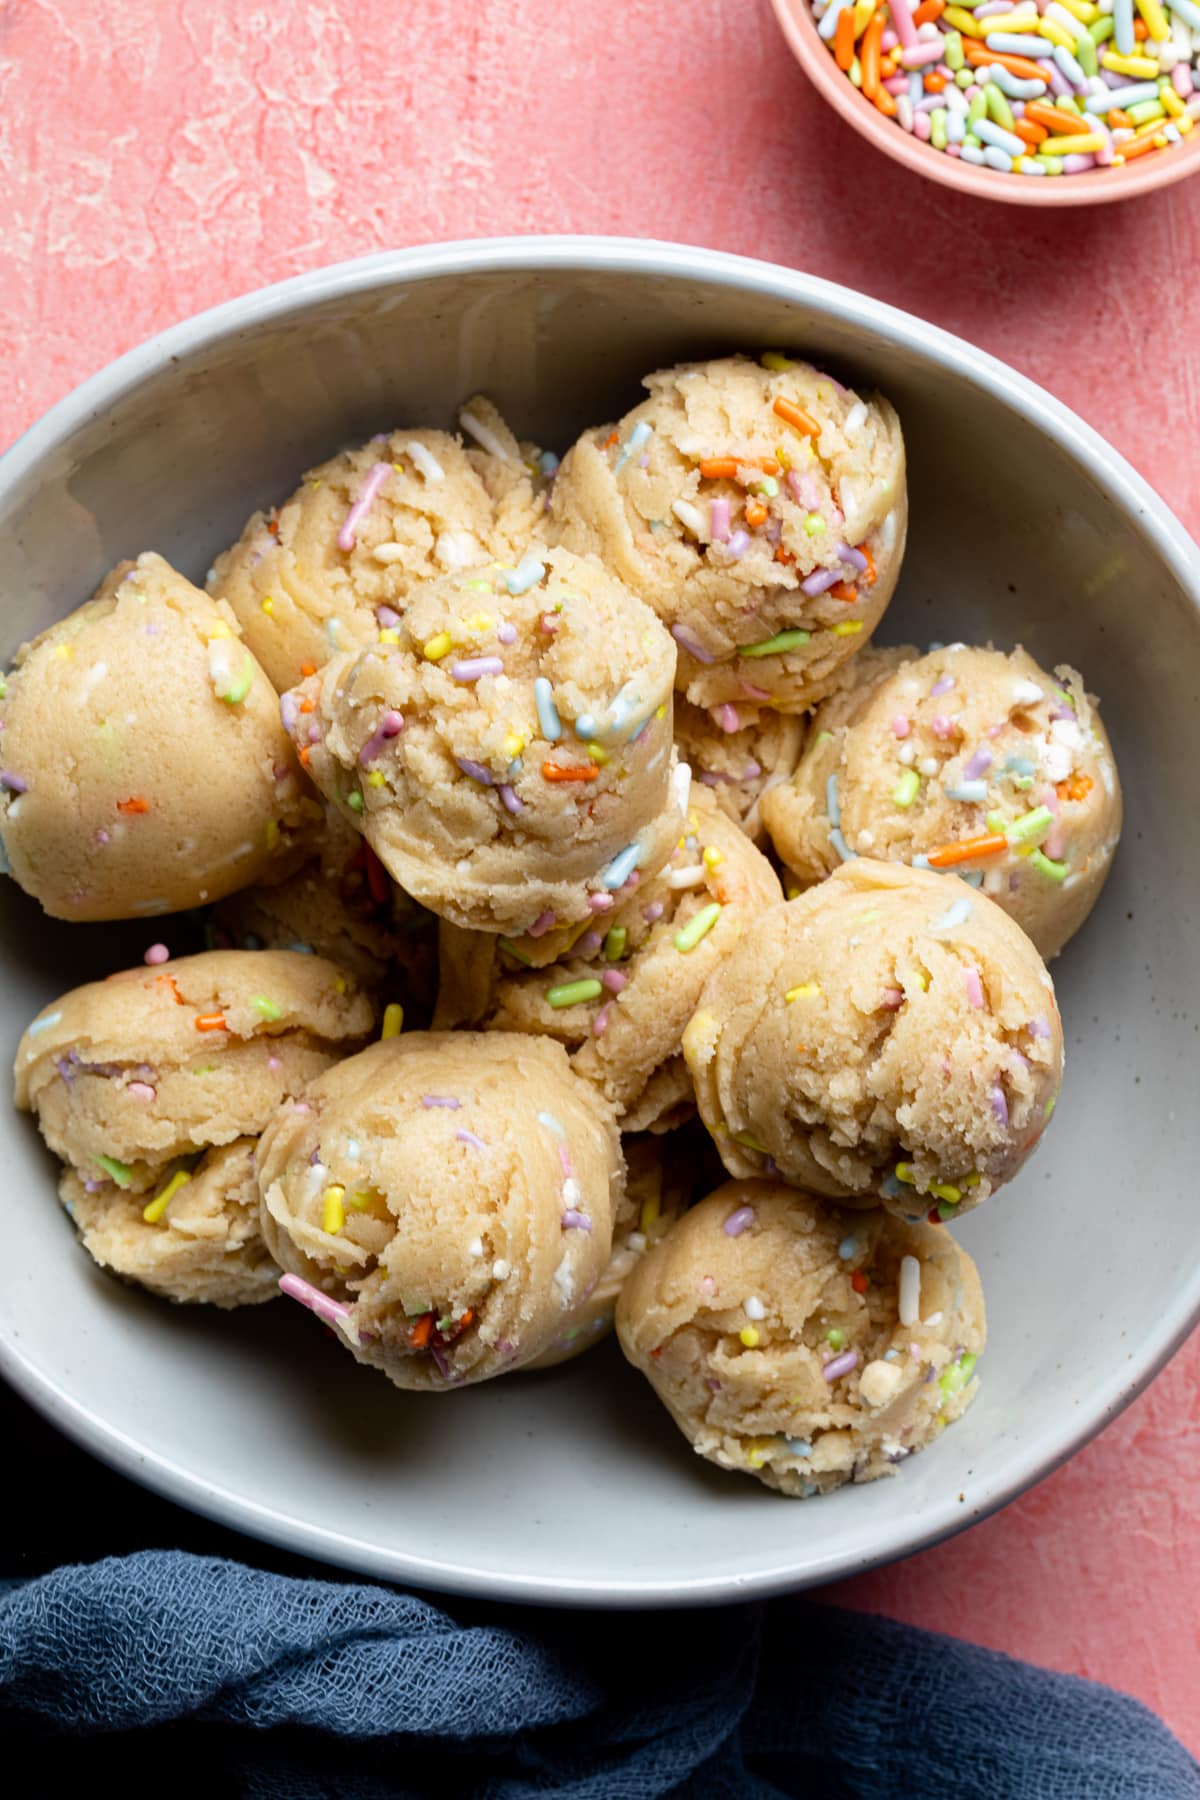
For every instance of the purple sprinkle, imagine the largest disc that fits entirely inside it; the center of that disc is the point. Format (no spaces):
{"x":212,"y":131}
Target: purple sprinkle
{"x":509,"y":798}
{"x":12,"y":782}
{"x":541,"y":925}
{"x":439,"y":1357}
{"x":739,"y":543}
{"x":102,"y":837}
{"x":387,"y":618}
{"x":819,"y":581}
{"x":855,"y":558}
{"x":1038,"y":1028}
{"x":389,"y":726}
{"x":653,"y":913}
{"x":978,"y":765}
{"x":707,"y":778}
{"x":474,"y":668}
{"x":63,"y":1065}
{"x":507,"y":633}
{"x":752,"y":771}
{"x":712,"y":1384}
{"x":718,"y":513}
{"x":589,"y":943}
{"x":575,"y":1221}
{"x":737,"y":1221}
{"x":687,"y":642}
{"x":476,"y":771}
{"x":614,"y":981}
{"x":773,"y":530}
{"x":314,"y":733}
{"x":754,"y":693}
{"x":941,"y":686}
{"x":837,"y":1366}
{"x":289,"y":711}
{"x":1000,"y":1106}
{"x":469,"y":1137}
{"x":441,"y":1100}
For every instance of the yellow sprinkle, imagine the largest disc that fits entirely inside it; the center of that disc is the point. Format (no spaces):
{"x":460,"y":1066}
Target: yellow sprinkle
{"x":782,"y":457}
{"x":749,"y":1142}
{"x":158,"y":1206}
{"x":758,"y":1450}
{"x":962,"y":20}
{"x":1083,"y":10}
{"x":945,"y":1190}
{"x":268,"y":607}
{"x":749,"y":1337}
{"x":1186,"y":125}
{"x":1156,"y":23}
{"x":1142,"y":68}
{"x":340,"y":984}
{"x":973,"y":1179}
{"x":389,"y":636}
{"x":662,"y":711}
{"x":808,"y":990}
{"x":514,"y":743}
{"x":1054,"y":33}
{"x":915,"y":978}
{"x":712,"y":857}
{"x":864,"y":12}
{"x":904,"y":1172}
{"x":650,"y":1211}
{"x":848,"y":628}
{"x":480,"y":622}
{"x":271,"y":833}
{"x":399,"y":468}
{"x":335,"y":1211}
{"x":438,"y":646}
{"x":62,"y":651}
{"x":375,"y":778}
{"x":219,"y":630}
{"x":393,"y":1020}
{"x":598,"y":754}
{"x":1171,"y":101}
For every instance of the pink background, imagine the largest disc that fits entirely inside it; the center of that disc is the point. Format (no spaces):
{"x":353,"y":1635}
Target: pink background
{"x":161,"y":156}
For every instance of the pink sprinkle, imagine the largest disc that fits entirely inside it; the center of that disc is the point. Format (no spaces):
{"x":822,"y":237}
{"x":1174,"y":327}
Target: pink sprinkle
{"x":922,"y":128}
{"x":630,"y":882}
{"x":755,"y":693}
{"x":707,"y":1285}
{"x":102,"y":836}
{"x":542,"y":924}
{"x":653,"y":913}
{"x":888,"y":41}
{"x":469,"y":1137}
{"x":737,"y":1221}
{"x":600,"y":1022}
{"x":389,"y":727}
{"x":1055,"y":843}
{"x":548,"y":623}
{"x":918,"y":55}
{"x":507,"y":633}
{"x":446,"y":1100}
{"x":718,"y":515}
{"x":317,"y":1302}
{"x":589,"y":943}
{"x":274,"y":1064}
{"x":726,"y":717}
{"x":687,"y":642}
{"x":143,"y":1090}
{"x":974,"y":988}
{"x":157,"y":953}
{"x":564,"y":1161}
{"x":1000,"y":1106}
{"x":712,"y":1384}
{"x":901,"y":726}
{"x":599,"y":903}
{"x":1181,"y":80}
{"x":752,"y":771}
{"x":941,"y":726}
{"x":386,"y":617}
{"x":362,"y":506}
{"x":614,"y":981}
{"x":893,"y":999}
{"x":837,"y":1366}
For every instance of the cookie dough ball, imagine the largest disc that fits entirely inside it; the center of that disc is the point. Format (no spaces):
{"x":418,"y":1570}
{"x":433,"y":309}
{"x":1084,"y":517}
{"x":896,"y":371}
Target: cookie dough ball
{"x":886,"y":1033}
{"x":969,"y":760}
{"x":446,"y":1200}
{"x":621,"y":992}
{"x":760,"y":510}
{"x":144,"y":766}
{"x":803,"y":1345}
{"x":128,"y":1075}
{"x":740,"y":753}
{"x":342,"y":905}
{"x":659,"y":1184}
{"x":509,"y":758}
{"x":204,"y":1246}
{"x":330,"y":568}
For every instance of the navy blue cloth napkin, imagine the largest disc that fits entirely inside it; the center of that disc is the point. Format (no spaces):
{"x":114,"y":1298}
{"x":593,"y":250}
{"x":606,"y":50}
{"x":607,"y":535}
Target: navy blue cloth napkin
{"x":169,"y":1671}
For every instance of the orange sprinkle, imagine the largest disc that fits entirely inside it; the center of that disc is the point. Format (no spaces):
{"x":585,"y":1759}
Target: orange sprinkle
{"x":211,"y":1022}
{"x":887,"y":64}
{"x":928,"y":11}
{"x":169,"y":981}
{"x":783,"y":556}
{"x":556,"y":772}
{"x":934,"y":83}
{"x":1138,"y":147}
{"x":859,"y":1282}
{"x":843,"y":40}
{"x":309,"y":668}
{"x":307,"y":705}
{"x":1119,"y":119}
{"x":756,"y":513}
{"x":1031,"y":134}
{"x":1141,"y":30}
{"x":133,"y":806}
{"x":977,"y":52}
{"x":769,"y":466}
{"x":871,"y":575}
{"x":612,"y":438}
{"x":718,"y":468}
{"x":422,"y":1331}
{"x":305,"y":755}
{"x":1039,"y":113}
{"x":796,"y":415}
{"x":885,"y":102}
{"x":1076,"y":787}
{"x":991,"y":843}
{"x":842,"y":590}
{"x":868,"y":54}
{"x":273,"y":527}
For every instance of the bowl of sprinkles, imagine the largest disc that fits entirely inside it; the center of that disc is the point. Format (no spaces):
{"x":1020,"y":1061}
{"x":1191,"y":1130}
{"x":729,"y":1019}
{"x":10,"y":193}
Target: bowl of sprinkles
{"x":965,"y":91}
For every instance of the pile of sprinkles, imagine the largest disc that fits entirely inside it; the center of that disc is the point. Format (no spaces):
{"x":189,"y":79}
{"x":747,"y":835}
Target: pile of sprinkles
{"x":1026,"y":87}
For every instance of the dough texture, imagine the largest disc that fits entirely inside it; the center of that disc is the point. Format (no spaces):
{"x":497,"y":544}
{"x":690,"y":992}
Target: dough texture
{"x":888,"y":1033}
{"x":509,"y":758}
{"x":744,"y":502}
{"x":145,"y":769}
{"x":739,"y":753}
{"x":452,"y":1194}
{"x":801,"y":1344}
{"x":621,"y":991}
{"x":330,"y":568}
{"x":964,"y":745}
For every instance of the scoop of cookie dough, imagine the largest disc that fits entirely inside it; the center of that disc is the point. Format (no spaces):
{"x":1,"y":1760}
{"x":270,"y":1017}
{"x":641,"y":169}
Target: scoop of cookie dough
{"x":740,"y":753}
{"x":509,"y":758}
{"x":760,"y":510}
{"x":128,"y":1075}
{"x":204,"y":1246}
{"x":330,"y":568}
{"x":803,"y":1345}
{"x":885,"y":1033}
{"x":342,"y":905}
{"x":621,"y":991}
{"x":445,"y":1200}
{"x":144,"y":766}
{"x":965,"y":759}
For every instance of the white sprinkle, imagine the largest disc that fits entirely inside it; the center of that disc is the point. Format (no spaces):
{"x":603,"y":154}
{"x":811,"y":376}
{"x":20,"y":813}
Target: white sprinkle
{"x":686,"y":878}
{"x":754,"y":1308}
{"x":906,"y":755}
{"x":1026,"y":693}
{"x":934,"y":1319}
{"x":500,"y":1269}
{"x":910,"y":1290}
{"x":458,"y":550}
{"x":879,"y":1382}
{"x":475,"y":1247}
{"x":564,"y":1281}
{"x":681,"y":786}
{"x":570,"y":1192}
{"x":636,"y":1242}
{"x":856,"y":418}
{"x":95,"y":674}
{"x":689,"y":516}
{"x":389,"y":553}
{"x":929,"y":765}
{"x":484,"y":436}
{"x":425,"y":461}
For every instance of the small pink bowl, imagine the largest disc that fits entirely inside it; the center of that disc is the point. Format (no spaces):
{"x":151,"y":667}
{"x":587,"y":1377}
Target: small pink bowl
{"x":1157,"y":170}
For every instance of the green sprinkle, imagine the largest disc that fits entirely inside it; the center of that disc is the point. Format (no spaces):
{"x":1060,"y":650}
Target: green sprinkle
{"x":768,"y":487}
{"x":507,"y":945}
{"x":1085,"y":52}
{"x":977,"y":109}
{"x":614,"y":943}
{"x":237,"y":690}
{"x":573,"y":993}
{"x":266,"y":1009}
{"x":835,"y":1338}
{"x":748,"y":1142}
{"x":354,"y":801}
{"x":937,"y":128}
{"x":775,"y":646}
{"x":1100,"y":30}
{"x":697,"y":928}
{"x":1053,"y":871}
{"x":973,"y":1179}
{"x":952,"y":51}
{"x":906,"y":789}
{"x":1031,"y":827}
{"x":773,"y":360}
{"x":998,"y":108}
{"x":822,"y":737}
{"x":855,"y":73}
{"x":3,"y":688}
{"x":814,"y":525}
{"x":956,"y":1377}
{"x":1051,"y":1103}
{"x":120,"y":1172}
{"x":995,"y":821}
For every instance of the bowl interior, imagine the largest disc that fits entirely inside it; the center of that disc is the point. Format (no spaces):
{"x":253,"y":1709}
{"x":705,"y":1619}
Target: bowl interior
{"x":572,"y":1485}
{"x":1096,"y":187}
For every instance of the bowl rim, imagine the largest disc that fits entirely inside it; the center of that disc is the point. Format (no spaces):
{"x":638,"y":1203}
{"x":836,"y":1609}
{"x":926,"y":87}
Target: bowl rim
{"x":796,"y":21}
{"x":614,"y":256}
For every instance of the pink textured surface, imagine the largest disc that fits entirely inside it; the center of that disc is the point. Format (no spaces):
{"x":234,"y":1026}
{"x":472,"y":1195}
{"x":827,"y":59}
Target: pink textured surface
{"x":161,"y":157}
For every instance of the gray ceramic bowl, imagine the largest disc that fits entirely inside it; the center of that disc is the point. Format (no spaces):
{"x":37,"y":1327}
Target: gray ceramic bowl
{"x":572,"y":1486}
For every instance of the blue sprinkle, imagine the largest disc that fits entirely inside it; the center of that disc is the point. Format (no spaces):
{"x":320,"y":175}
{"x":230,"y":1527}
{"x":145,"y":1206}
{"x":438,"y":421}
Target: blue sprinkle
{"x":841,"y":846}
{"x":848,"y":1248}
{"x":973,"y":792}
{"x":547,"y":712}
{"x":528,"y":572}
{"x":832,"y":806}
{"x":548,"y":463}
{"x":551,"y":1123}
{"x":585,"y":726}
{"x":956,"y":914}
{"x":43,"y":1024}
{"x":973,"y":877}
{"x":304,"y":949}
{"x":889,"y":1356}
{"x":891,"y":1188}
{"x":920,"y":862}
{"x":1019,"y":765}
{"x":638,"y":438}
{"x":798,"y":1446}
{"x":621,"y":868}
